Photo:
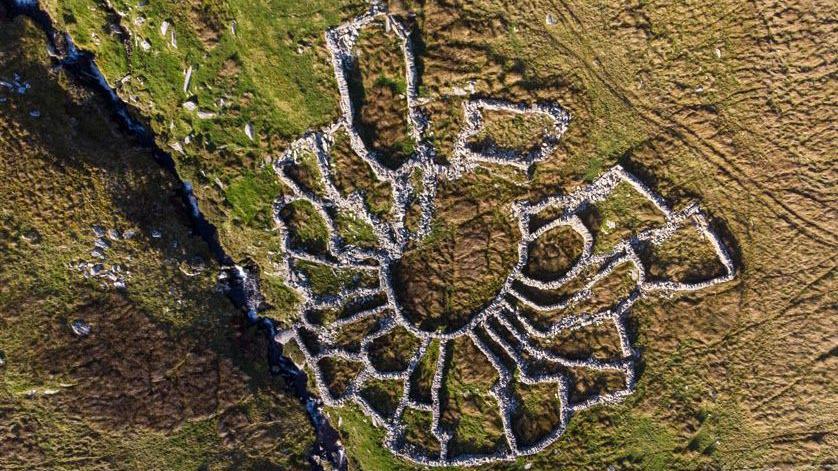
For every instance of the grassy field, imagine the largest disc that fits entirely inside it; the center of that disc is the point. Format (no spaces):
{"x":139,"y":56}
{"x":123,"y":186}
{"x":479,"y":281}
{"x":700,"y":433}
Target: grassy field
{"x":167,"y":378}
{"x":725,"y":103}
{"x":231,"y":49}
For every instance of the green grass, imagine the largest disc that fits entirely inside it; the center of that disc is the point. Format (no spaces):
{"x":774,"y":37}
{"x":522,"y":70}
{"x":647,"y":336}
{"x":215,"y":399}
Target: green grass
{"x":290,"y":91}
{"x":57,"y":182}
{"x":474,"y":416}
{"x":273,"y":72}
{"x":380,"y":97}
{"x":355,"y":231}
{"x":393,"y":351}
{"x":353,"y":174}
{"x":406,"y":145}
{"x":283,"y":299}
{"x":383,"y":395}
{"x":577,"y":63}
{"x":422,"y":378}
{"x":253,"y":194}
{"x":307,"y":227}
{"x":539,"y":411}
{"x":418,"y":431}
{"x":621,"y":131}
{"x":89,"y":30}
{"x":628,"y":211}
{"x":308,"y":164}
{"x":181,"y":450}
{"x":506,"y":130}
{"x":339,"y":373}
{"x":397,"y":85}
{"x":686,"y":256}
{"x":327,"y":280}
{"x":364,"y":441}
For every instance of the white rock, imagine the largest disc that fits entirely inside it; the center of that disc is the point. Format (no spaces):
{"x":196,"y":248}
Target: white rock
{"x":248,"y":130}
{"x":187,"y":77}
{"x":163,"y":28}
{"x":550,"y":20}
{"x":102,"y":243}
{"x":80,"y":327}
{"x":284,"y":336}
{"x":189,"y":105}
{"x":458,"y":91}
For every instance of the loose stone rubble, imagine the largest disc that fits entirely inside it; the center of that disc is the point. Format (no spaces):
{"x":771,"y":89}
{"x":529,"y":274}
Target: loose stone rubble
{"x":80,"y":328}
{"x":393,"y":236}
{"x":109,"y":274}
{"x":17,"y":85}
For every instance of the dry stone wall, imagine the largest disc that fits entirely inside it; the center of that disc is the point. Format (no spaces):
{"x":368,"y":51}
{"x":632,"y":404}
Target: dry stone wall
{"x":392,"y":237}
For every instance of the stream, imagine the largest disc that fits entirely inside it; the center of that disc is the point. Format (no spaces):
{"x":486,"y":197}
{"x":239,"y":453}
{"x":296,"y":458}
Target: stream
{"x":242,"y":281}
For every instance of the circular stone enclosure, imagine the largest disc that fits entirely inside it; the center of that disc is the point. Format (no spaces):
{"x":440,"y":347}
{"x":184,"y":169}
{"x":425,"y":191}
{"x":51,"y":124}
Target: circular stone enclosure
{"x":460,"y":268}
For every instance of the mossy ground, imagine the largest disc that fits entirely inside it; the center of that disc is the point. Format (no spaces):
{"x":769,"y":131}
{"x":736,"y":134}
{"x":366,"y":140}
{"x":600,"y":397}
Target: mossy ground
{"x":233,"y":50}
{"x":506,"y":131}
{"x":378,"y":88}
{"x":167,"y":378}
{"x":353,"y":174}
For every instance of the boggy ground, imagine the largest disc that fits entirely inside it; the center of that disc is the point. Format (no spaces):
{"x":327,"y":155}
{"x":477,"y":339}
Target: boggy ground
{"x":167,"y":378}
{"x":377,"y":86}
{"x":723,"y":102}
{"x":450,"y":275}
